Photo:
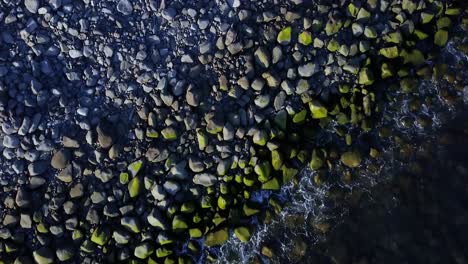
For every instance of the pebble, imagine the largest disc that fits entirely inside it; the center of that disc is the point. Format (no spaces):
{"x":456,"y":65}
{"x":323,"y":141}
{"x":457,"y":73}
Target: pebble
{"x":60,"y":159}
{"x":11,"y":141}
{"x":32,"y":5}
{"x":38,"y":167}
{"x":125,"y":7}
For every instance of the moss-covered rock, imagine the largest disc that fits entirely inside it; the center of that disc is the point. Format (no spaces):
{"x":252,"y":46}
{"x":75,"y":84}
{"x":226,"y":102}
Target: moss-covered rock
{"x":276,"y":159}
{"x":263,"y":171}
{"x":134,"y":187}
{"x":135,"y":167}
{"x":101,"y":236}
{"x":169,"y":133}
{"x":305,"y":38}
{"x":217,"y":237}
{"x":441,"y":37}
{"x":366,"y":77}
{"x":351,"y":159}
{"x":389,"y":52}
{"x":284,"y":36}
{"x":243,"y":233}
{"x":272,"y":184}
{"x":143,"y":250}
{"x":179,"y":222}
{"x":317,"y":110}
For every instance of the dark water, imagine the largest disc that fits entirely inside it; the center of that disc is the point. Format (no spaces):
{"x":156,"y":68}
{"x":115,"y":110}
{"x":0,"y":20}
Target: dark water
{"x":410,"y":205}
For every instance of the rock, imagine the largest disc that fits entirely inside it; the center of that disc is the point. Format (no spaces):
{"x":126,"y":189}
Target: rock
{"x":22,"y":198}
{"x":143,"y":250}
{"x":390,"y":52}
{"x":158,"y":192}
{"x":135,"y":167}
{"x":262,"y":101}
{"x":192,"y":96}
{"x":272,"y":184}
{"x":171,"y":187}
{"x":134,"y":187}
{"x":105,"y":137}
{"x":284,"y":36}
{"x":276,"y":159}
{"x":178,"y":222}
{"x":43,"y":256}
{"x":66,"y":175}
{"x":305,"y":38}
{"x":262,"y":57}
{"x":441,"y":37}
{"x":70,"y":143}
{"x":317,"y":110}
{"x":263,"y":170}
{"x":37,"y":167}
{"x":260,"y":138}
{"x":60,"y":159}
{"x":243,"y":233}
{"x":156,"y":219}
{"x":64,"y":253}
{"x":32,"y":5}
{"x":131,"y":223}
{"x":100,"y":236}
{"x":179,"y":171}
{"x":205,"y":179}
{"x":104,"y":176}
{"x":258,"y":84}
{"x":351,"y":159}
{"x":366,"y":77}
{"x":11,"y":141}
{"x":169,"y":133}
{"x":121,"y":237}
{"x":125,"y":7}
{"x":55,"y":4}
{"x":216,"y":238}
{"x":307,"y":70}
{"x":25,"y":221}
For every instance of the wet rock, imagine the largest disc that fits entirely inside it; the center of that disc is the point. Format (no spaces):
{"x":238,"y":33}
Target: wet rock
{"x":32,"y":5}
{"x":205,"y":179}
{"x":37,"y":167}
{"x":60,"y":159}
{"x":125,"y":7}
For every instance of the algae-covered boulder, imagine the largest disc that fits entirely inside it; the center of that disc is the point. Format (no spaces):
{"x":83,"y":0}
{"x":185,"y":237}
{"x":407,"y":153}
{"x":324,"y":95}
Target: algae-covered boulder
{"x":366,"y":77}
{"x":143,"y":250}
{"x":134,"y":187}
{"x":243,"y":233}
{"x":441,"y":37}
{"x":351,"y":159}
{"x":217,"y":237}
{"x":101,"y":236}
{"x":317,"y":110}
{"x":284,"y":36}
